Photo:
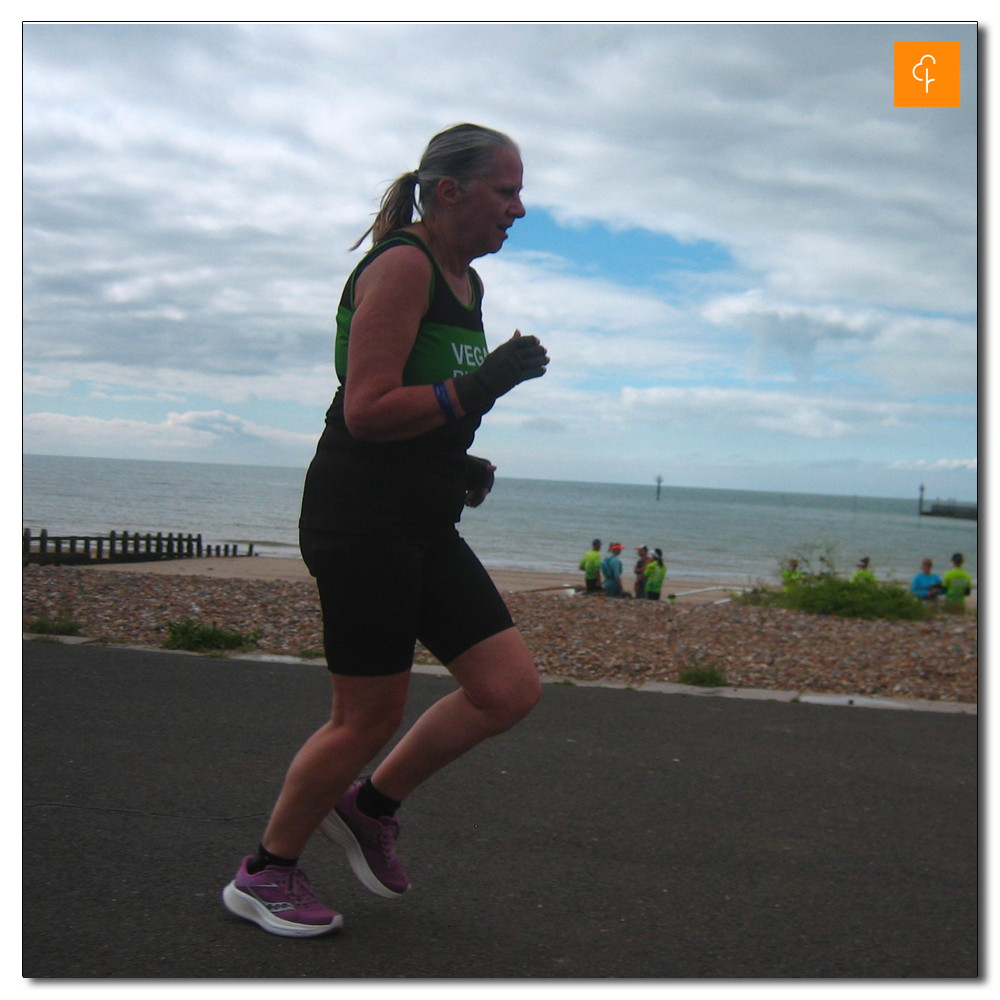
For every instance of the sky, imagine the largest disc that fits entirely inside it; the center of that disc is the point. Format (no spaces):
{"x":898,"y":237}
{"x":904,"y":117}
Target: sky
{"x":751,"y":271}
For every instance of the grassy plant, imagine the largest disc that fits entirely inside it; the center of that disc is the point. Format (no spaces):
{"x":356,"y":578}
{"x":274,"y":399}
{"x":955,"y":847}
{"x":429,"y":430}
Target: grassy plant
{"x":310,"y":654}
{"x":826,"y":595}
{"x":830,"y":596}
{"x":709,"y":676}
{"x":700,"y":672}
{"x":61,"y":625}
{"x":194,"y":636}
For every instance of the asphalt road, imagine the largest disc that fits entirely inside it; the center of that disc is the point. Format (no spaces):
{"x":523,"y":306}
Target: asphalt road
{"x":611,"y":834}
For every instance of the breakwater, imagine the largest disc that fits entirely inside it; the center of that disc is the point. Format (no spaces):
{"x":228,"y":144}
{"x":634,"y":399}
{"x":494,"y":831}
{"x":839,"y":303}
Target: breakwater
{"x":73,"y":550}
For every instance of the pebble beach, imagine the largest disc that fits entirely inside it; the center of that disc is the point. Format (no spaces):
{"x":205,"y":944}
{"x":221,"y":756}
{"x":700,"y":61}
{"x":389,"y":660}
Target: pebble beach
{"x":575,"y":637}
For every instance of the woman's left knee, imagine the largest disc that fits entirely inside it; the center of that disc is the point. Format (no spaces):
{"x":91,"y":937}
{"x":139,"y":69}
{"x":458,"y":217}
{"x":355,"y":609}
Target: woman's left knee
{"x":511,"y":703}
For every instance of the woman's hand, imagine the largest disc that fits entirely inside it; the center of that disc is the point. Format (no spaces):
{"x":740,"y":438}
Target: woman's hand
{"x":513,"y":362}
{"x":478,"y":479}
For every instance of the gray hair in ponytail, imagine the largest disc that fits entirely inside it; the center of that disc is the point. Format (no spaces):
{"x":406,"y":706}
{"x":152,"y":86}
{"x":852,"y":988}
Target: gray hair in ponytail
{"x":461,"y":152}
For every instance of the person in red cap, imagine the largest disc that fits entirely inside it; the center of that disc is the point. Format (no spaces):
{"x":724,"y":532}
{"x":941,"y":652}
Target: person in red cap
{"x":611,"y":570}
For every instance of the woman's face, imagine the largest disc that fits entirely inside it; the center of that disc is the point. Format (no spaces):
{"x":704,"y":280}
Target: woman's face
{"x":492,"y":201}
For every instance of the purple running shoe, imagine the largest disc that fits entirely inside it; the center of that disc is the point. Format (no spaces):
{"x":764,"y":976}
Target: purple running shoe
{"x":369,"y":844}
{"x":280,"y":900}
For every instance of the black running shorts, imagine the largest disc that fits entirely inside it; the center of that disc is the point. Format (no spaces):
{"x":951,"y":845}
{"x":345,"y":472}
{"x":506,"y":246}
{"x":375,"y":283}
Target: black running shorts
{"x":379,"y":594}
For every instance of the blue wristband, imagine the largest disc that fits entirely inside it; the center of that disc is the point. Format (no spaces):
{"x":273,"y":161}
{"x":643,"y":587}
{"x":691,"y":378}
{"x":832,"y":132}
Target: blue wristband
{"x":444,"y":401}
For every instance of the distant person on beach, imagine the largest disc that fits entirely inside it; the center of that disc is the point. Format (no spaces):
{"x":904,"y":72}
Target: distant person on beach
{"x":655,"y":571}
{"x":611,"y":568}
{"x":641,"y":562}
{"x":862,"y":574}
{"x":392,"y":468}
{"x":957,"y":584}
{"x":791,"y":576}
{"x":591,"y":566}
{"x":926,"y":585}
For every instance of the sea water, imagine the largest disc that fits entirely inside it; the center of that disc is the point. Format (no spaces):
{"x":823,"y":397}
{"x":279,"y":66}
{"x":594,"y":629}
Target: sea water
{"x":538,"y":525}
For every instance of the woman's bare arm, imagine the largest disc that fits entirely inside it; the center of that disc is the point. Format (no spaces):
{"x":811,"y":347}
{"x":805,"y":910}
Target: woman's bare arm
{"x":390,"y":298}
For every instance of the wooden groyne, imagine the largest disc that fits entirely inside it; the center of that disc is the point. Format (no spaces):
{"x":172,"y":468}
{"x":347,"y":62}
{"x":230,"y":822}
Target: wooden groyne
{"x":50,"y":550}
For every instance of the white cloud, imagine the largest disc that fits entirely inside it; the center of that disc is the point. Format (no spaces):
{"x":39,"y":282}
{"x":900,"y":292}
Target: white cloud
{"x":803,"y":416}
{"x":938,"y":464}
{"x":43,"y":384}
{"x":191,"y":436}
{"x":154,"y":397}
{"x":313,"y":388}
{"x":911,"y":355}
{"x":726,"y":409}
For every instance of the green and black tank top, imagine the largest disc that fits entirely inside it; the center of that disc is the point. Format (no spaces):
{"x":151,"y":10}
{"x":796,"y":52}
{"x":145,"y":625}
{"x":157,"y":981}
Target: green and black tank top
{"x":400,"y":485}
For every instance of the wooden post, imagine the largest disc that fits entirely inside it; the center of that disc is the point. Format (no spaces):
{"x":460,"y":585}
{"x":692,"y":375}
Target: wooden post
{"x":86,"y":548}
{"x":190,"y":546}
{"x":58,"y":548}
{"x":250,"y":553}
{"x":43,"y":544}
{"x":26,"y":546}
{"x":100,"y":548}
{"x":159,"y":543}
{"x":111,"y":545}
{"x":198,"y":547}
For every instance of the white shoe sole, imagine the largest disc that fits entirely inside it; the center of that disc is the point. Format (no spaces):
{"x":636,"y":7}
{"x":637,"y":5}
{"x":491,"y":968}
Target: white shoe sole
{"x":251,"y":909}
{"x":335,"y":829}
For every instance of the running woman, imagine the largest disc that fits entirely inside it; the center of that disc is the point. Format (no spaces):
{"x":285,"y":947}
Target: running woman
{"x":392,"y":467}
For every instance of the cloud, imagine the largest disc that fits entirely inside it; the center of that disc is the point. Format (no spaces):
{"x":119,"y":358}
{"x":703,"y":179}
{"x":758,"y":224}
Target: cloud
{"x":154,"y":397}
{"x":43,"y":384}
{"x":544,"y":425}
{"x":313,"y":388}
{"x":191,"y":436}
{"x":726,"y":410}
{"x":803,"y":416}
{"x":912,"y":355}
{"x":938,"y":464}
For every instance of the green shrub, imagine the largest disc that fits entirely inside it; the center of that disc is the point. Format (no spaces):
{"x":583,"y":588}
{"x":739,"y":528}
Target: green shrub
{"x":194,"y":636}
{"x":830,"y":596}
{"x":827,"y":595}
{"x":709,"y":676}
{"x":53,"y":626}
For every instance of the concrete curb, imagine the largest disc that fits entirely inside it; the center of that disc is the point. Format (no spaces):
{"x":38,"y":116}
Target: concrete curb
{"x":659,"y":687}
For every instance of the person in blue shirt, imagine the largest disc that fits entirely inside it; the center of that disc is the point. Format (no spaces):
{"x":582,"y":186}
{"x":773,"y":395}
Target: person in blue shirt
{"x":926,"y":585}
{"x":611,"y":570}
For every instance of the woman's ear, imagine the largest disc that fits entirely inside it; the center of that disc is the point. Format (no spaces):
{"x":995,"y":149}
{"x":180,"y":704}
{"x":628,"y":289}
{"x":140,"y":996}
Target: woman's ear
{"x":449,"y":191}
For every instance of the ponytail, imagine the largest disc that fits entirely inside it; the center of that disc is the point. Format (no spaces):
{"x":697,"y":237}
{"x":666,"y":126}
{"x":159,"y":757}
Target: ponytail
{"x":395,"y":210}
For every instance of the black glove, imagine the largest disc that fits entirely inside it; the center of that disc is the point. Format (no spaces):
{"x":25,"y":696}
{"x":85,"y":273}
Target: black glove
{"x":478,"y":480}
{"x":519,"y":359}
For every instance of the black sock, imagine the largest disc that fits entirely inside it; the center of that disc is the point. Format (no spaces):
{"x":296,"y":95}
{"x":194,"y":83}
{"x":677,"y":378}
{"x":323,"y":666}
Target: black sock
{"x":265,"y":858}
{"x":373,"y":803}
